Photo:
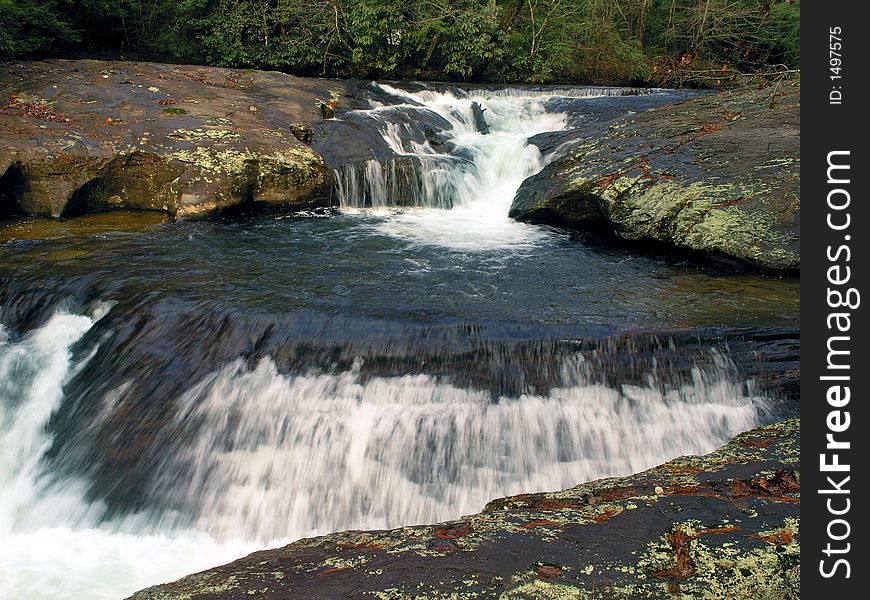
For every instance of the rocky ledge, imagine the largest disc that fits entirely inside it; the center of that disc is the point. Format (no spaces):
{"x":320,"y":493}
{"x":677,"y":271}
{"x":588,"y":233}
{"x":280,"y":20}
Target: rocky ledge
{"x":718,"y":174}
{"x":89,"y":136}
{"x":723,"y":525}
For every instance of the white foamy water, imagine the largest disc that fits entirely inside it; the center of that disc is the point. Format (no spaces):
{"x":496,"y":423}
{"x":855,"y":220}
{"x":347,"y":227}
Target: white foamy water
{"x":51,"y":545}
{"x":266,"y":458}
{"x":461,"y":199}
{"x":298,"y":456}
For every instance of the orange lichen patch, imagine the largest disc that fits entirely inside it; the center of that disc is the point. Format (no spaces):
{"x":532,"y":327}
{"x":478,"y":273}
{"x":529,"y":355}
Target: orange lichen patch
{"x":711,"y":127}
{"x":537,"y":523}
{"x":33,"y":110}
{"x":757,"y":443}
{"x":549,"y":571}
{"x":167,"y":101}
{"x":684,"y":490}
{"x":715,"y":531}
{"x":641,"y":164}
{"x":198,"y":77}
{"x":735,"y":202}
{"x":646,"y":170}
{"x":333,"y":570}
{"x":791,"y":207}
{"x":684,"y":566}
{"x":606,"y":515}
{"x":614,"y":494}
{"x":781,"y":537}
{"x":453,"y":532}
{"x":367,"y":545}
{"x":730,"y":115}
{"x":608,"y":180}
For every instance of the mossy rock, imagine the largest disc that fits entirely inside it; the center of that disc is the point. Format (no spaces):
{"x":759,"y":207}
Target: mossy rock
{"x":719,"y":175}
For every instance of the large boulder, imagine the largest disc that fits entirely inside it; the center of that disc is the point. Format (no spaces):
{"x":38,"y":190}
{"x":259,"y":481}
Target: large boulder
{"x":719,"y":174}
{"x":89,"y":136}
{"x":715,"y":526}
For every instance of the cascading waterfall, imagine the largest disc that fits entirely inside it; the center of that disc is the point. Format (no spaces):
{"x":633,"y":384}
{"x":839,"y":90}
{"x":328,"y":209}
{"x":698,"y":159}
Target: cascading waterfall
{"x":274,"y":455}
{"x":253,"y":446}
{"x":53,"y":542}
{"x":476,"y":178}
{"x":254,"y":458}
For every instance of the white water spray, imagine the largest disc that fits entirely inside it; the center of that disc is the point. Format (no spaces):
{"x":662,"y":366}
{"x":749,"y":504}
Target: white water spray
{"x":52,"y":546}
{"x":276,"y":456}
{"x":267,"y":458}
{"x":476,"y":180}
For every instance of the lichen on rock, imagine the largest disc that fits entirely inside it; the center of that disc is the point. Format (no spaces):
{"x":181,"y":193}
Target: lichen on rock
{"x":719,"y":174}
{"x":115,"y":146}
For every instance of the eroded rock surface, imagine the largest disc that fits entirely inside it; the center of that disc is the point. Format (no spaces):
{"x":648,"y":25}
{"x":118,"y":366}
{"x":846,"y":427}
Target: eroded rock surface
{"x":718,"y":174}
{"x":90,"y":136}
{"x":723,"y":525}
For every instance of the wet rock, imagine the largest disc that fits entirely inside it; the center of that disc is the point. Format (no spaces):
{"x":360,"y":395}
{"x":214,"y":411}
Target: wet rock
{"x":90,"y":136}
{"x":715,"y":526}
{"x":718,"y":174}
{"x":302,"y":132}
{"x":479,"y":120}
{"x":326,"y":109}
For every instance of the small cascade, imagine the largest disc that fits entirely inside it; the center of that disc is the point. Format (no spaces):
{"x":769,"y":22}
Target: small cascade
{"x":467,"y":166}
{"x":254,"y":454}
{"x":405,"y":181}
{"x":274,"y":455}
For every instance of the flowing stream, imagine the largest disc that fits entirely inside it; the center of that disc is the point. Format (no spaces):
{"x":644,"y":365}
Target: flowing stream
{"x":173,"y":397}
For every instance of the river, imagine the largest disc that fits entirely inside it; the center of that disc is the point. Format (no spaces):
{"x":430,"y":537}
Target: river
{"x":174,"y":396}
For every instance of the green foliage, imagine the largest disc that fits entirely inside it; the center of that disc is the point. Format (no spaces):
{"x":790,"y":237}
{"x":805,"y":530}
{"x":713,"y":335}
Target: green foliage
{"x":783,"y":36}
{"x":606,"y":41}
{"x":34,"y":27}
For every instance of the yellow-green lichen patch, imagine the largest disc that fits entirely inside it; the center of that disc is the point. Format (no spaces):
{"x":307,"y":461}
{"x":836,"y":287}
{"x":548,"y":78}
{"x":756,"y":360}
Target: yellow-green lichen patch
{"x":530,"y":586}
{"x":338,"y":563}
{"x":724,"y":570}
{"x":200,"y":134}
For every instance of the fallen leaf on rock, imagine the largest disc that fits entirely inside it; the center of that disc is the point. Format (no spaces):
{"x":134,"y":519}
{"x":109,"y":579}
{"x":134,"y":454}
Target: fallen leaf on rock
{"x":549,"y":571}
{"x":34,"y":109}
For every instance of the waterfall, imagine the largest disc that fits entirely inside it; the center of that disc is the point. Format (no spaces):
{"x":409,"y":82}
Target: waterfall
{"x":405,"y":362}
{"x":54,"y":545}
{"x":456,"y":186}
{"x":32,"y":373}
{"x":251,"y":457}
{"x":271,"y":455}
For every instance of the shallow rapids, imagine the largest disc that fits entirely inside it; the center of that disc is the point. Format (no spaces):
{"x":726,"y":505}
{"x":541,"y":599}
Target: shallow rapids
{"x":253,"y":458}
{"x":175,"y":396}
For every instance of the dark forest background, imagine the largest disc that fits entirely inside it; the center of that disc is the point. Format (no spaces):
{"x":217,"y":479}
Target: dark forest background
{"x":663,"y":42}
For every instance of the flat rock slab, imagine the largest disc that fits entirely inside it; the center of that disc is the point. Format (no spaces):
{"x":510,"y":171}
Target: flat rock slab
{"x":723,"y":525}
{"x":88,"y":136}
{"x":719,"y":174}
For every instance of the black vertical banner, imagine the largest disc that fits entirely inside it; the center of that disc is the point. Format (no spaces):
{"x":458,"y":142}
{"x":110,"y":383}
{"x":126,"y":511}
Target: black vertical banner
{"x":835,"y":374}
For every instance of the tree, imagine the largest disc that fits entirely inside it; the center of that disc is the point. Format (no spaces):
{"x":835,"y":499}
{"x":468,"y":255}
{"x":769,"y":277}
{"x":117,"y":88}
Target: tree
{"x":34,"y":27}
